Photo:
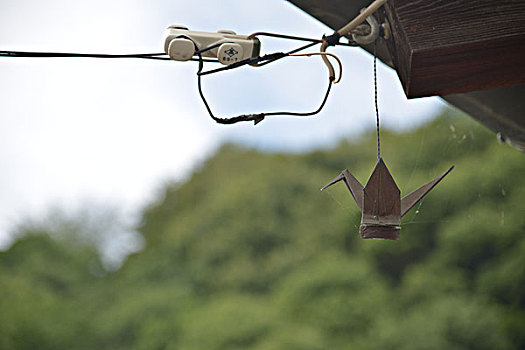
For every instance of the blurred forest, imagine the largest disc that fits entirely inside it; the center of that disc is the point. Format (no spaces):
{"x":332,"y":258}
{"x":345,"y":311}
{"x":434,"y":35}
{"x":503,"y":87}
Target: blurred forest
{"x":249,"y":254}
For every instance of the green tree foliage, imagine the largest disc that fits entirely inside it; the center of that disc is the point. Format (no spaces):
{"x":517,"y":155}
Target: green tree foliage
{"x":249,"y":254}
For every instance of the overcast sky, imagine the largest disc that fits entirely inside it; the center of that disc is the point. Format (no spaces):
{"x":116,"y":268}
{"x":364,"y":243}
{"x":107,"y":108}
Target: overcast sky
{"x":112,"y":131}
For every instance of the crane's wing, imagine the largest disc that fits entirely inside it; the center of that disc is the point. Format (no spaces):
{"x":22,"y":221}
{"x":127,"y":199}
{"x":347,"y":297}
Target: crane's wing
{"x":411,"y":199}
{"x":355,"y":188}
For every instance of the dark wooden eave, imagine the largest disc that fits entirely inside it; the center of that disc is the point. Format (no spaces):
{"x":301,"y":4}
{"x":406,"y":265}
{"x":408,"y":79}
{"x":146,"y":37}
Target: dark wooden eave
{"x":424,"y":55}
{"x":443,"y":47}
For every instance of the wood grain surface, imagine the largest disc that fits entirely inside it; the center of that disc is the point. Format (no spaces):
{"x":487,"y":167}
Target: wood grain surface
{"x":443,"y":47}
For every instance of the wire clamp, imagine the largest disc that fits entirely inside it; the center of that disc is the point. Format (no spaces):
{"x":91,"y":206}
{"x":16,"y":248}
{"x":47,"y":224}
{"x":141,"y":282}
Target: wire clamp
{"x":333,"y":39}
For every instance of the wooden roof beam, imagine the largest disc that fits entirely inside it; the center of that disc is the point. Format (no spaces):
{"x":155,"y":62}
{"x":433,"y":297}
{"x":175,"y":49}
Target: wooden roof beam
{"x":444,"y":47}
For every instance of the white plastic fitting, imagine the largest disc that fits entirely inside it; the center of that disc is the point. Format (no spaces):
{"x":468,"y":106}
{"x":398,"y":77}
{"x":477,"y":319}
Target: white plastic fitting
{"x":181,"y":44}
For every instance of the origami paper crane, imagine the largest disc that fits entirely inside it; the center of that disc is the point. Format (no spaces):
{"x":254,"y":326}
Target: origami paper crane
{"x":380,"y":201}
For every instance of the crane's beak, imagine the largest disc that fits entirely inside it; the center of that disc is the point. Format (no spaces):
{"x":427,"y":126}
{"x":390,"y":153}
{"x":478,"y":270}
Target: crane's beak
{"x":336,"y":180}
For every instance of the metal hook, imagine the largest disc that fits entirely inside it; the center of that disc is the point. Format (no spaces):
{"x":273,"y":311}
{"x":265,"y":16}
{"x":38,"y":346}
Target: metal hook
{"x":372,"y":36}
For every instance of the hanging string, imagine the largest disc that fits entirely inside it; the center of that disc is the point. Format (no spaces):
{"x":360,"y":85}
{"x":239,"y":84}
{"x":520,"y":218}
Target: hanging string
{"x":375,"y":101}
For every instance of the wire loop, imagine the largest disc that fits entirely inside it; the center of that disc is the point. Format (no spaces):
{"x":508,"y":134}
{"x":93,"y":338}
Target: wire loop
{"x":325,"y":54}
{"x":257,"y":118}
